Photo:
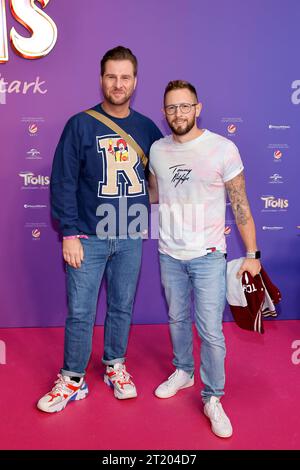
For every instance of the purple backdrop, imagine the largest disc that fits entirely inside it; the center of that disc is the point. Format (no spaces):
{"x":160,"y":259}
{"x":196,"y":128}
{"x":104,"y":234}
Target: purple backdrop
{"x":243,"y":59}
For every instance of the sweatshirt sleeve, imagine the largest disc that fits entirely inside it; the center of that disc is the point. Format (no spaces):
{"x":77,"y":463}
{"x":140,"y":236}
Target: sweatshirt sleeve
{"x":64,"y":179}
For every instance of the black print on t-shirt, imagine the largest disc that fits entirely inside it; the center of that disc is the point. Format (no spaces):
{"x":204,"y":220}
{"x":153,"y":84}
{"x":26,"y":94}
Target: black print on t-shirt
{"x":179,"y":175}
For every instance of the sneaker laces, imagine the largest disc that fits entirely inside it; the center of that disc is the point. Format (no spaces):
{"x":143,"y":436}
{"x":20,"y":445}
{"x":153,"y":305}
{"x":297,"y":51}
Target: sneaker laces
{"x":172,"y":377}
{"x":217,"y":410}
{"x":61,"y":386}
{"x":122,"y":376}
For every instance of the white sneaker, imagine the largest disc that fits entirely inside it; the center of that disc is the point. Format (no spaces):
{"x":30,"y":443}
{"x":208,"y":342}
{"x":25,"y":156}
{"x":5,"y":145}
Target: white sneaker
{"x":64,"y":391}
{"x":177,"y":381}
{"x":220,"y":423}
{"x":120,"y":381}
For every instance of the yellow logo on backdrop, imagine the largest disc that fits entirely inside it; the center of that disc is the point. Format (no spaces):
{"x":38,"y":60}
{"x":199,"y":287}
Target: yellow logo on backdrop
{"x":41,"y":27}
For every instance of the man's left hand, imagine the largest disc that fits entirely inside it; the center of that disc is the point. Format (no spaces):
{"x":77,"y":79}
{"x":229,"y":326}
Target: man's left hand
{"x":253,"y":267}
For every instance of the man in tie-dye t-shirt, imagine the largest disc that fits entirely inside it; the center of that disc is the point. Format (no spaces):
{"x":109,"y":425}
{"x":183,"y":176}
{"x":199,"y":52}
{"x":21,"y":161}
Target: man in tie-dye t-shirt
{"x":191,"y":170}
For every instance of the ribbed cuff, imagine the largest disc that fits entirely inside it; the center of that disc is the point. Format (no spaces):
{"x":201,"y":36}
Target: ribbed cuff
{"x":70,"y":231}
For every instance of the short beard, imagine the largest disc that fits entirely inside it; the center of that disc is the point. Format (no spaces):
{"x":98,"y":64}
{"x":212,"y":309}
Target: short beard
{"x":115,"y":102}
{"x":182,"y":131}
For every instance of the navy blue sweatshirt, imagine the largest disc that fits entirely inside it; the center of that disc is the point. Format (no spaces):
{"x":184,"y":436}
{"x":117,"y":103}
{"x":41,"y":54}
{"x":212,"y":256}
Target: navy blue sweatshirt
{"x":94,"y":166}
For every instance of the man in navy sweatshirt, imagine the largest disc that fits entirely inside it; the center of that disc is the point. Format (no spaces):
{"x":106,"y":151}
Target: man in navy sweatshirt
{"x":97,"y":187}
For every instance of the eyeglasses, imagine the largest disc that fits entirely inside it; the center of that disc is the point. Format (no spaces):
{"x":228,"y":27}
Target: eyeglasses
{"x":184,"y":108}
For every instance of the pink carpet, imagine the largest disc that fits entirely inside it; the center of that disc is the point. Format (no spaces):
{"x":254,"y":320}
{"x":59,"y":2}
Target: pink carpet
{"x":262,"y":394}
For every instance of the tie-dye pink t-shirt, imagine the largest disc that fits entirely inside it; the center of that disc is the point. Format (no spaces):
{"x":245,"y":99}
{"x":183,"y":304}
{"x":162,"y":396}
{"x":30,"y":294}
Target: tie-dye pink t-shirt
{"x":191,"y":181}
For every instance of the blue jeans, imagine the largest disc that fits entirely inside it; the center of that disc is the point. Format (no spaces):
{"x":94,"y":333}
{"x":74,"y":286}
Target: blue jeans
{"x":120,"y":260}
{"x":206,"y":277}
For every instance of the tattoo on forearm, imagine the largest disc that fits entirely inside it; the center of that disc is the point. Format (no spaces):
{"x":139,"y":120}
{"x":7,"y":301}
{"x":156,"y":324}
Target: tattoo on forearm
{"x":236,"y":189}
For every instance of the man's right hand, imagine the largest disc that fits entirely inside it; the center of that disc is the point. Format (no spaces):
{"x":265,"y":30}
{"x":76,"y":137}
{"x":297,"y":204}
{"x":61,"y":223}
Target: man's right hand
{"x":73,"y":252}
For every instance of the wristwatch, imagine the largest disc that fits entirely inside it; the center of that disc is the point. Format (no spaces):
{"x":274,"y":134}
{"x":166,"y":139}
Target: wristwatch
{"x":253,"y":255}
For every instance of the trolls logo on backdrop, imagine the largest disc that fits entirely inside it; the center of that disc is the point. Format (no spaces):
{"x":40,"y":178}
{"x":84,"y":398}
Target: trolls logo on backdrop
{"x":41,"y":27}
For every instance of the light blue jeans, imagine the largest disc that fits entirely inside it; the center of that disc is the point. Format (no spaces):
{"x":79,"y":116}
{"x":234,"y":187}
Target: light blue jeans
{"x":205,"y":276}
{"x":120,"y":260}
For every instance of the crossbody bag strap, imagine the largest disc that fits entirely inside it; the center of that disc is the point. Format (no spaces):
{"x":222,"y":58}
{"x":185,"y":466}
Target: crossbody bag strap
{"x":118,"y":130}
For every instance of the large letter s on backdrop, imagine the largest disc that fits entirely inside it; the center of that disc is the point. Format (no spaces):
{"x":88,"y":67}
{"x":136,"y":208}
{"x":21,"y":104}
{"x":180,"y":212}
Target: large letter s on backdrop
{"x":42,"y":27}
{"x":3,"y":33}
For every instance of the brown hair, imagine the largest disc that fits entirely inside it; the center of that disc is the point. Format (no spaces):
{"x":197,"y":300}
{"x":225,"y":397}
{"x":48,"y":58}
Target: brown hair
{"x":119,"y":53}
{"x":178,"y":85}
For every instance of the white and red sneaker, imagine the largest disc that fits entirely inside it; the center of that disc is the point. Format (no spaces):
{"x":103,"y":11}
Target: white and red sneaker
{"x":119,"y":380}
{"x":64,"y":391}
